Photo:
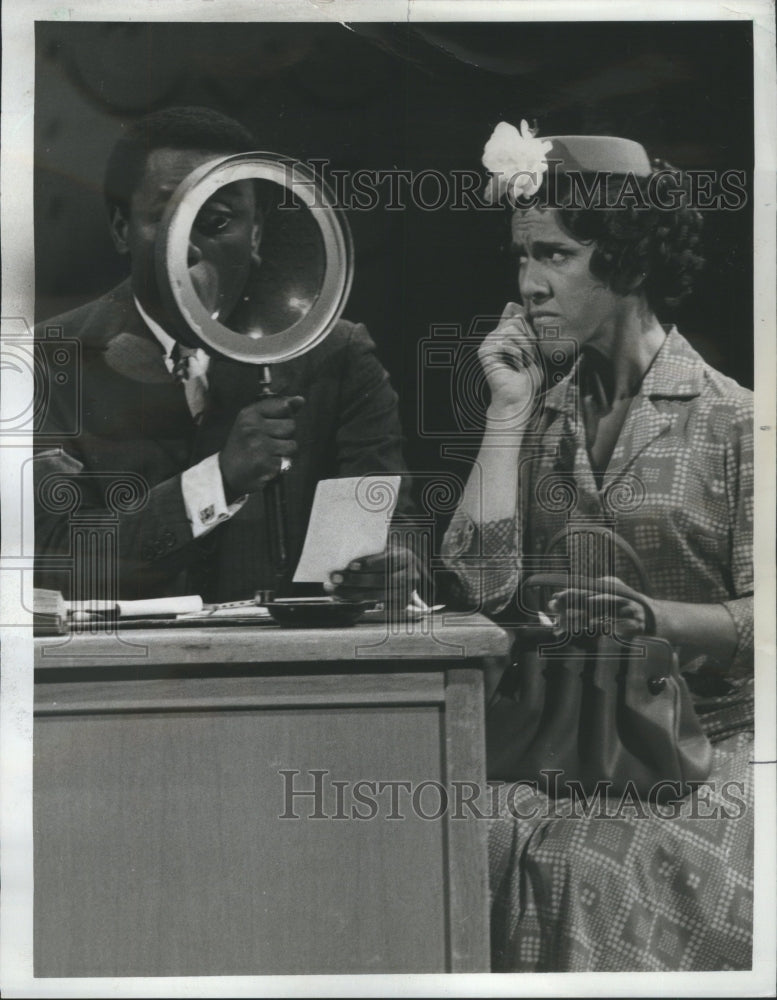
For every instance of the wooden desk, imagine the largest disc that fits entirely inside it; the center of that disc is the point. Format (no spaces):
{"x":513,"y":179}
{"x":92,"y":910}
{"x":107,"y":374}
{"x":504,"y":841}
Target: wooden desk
{"x":165,"y":842}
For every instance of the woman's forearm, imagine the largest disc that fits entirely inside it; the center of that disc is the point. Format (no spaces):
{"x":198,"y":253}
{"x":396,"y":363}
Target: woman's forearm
{"x":706,"y":628}
{"x":722,"y":631}
{"x":482,"y":544}
{"x":491,"y":494}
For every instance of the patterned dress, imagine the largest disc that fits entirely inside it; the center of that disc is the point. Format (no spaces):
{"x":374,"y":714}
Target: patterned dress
{"x":633,"y":890}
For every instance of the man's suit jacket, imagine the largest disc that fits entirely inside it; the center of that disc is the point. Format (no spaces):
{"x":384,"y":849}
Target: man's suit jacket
{"x":129,"y":421}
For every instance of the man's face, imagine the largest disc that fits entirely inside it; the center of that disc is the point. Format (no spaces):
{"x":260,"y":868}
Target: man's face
{"x":223,"y":237}
{"x":557,"y":287}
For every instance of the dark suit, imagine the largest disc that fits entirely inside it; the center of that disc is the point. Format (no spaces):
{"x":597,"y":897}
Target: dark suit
{"x":131,"y":419}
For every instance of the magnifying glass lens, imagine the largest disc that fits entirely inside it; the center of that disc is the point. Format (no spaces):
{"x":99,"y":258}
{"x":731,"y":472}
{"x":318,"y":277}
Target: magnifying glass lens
{"x":254,"y":259}
{"x":286,"y":270}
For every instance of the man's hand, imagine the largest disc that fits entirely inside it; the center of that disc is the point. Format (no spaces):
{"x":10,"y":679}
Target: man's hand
{"x":511,"y":363}
{"x":608,"y":606}
{"x":389,"y":576}
{"x":262,"y":434}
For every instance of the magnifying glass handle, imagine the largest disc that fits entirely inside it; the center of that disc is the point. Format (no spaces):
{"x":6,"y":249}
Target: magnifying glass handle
{"x":275,"y":505}
{"x":265,"y":381}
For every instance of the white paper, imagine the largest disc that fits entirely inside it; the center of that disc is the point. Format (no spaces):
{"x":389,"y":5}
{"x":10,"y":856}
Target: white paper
{"x":142,"y":609}
{"x":350,"y":519}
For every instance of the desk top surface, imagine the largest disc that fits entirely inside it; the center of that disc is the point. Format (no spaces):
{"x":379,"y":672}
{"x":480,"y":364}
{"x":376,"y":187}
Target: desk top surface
{"x":454,"y":637}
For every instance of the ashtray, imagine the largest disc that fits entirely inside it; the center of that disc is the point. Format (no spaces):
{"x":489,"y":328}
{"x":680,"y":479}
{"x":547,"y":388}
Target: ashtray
{"x":316,"y":612}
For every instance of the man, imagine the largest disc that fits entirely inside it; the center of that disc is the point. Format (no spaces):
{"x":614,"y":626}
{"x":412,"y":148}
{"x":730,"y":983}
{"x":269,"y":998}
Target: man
{"x":187,"y":434}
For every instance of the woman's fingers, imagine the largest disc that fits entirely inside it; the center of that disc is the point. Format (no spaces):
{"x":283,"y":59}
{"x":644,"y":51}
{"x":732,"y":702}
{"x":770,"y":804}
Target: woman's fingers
{"x":510,"y":359}
{"x":579,"y":610}
{"x":512,"y":342}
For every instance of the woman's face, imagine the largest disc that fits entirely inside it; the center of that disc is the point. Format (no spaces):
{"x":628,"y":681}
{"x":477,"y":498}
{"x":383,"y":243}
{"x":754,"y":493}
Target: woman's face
{"x":561,"y":296}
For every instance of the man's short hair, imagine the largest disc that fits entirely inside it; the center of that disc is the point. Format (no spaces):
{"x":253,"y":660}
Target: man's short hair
{"x":171,"y":128}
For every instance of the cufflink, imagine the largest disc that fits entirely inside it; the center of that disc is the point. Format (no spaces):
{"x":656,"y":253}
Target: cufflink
{"x":207,"y":514}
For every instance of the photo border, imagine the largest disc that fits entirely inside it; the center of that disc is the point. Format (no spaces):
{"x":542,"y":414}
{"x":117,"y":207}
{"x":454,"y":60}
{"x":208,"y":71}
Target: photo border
{"x":16,"y":684}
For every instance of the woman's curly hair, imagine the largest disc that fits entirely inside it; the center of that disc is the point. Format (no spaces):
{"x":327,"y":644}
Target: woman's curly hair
{"x":638,"y":244}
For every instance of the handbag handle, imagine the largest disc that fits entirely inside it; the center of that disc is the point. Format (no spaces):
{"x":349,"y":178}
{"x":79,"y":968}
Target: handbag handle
{"x":619,"y":543}
{"x":561,"y":580}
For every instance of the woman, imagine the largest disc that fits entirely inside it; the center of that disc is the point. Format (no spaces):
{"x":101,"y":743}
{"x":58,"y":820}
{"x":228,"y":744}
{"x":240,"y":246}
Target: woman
{"x":644,"y":436}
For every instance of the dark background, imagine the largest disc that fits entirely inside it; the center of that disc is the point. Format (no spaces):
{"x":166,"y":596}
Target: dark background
{"x":413,"y":97}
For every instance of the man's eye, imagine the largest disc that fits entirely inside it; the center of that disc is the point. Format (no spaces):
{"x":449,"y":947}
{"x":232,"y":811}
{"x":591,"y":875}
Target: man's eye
{"x":557,"y":257}
{"x":211,"y":223}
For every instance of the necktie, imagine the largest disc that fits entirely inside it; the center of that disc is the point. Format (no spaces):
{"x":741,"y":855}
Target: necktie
{"x":188,"y":369}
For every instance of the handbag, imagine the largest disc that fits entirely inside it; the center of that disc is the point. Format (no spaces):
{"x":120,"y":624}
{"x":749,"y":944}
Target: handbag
{"x":595,"y":713}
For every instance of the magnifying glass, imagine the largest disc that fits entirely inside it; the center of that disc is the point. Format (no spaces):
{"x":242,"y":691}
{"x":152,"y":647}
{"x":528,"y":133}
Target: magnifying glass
{"x":254,"y":261}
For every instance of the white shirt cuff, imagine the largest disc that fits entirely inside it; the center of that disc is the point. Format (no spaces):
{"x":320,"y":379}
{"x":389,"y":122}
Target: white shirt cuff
{"x":203,"y":496}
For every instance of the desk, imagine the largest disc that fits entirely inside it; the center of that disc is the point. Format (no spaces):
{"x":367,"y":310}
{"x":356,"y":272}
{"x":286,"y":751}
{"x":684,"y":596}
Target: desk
{"x":170,"y":838}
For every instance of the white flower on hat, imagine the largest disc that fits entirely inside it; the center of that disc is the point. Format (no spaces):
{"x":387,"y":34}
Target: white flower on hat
{"x":517,"y":161}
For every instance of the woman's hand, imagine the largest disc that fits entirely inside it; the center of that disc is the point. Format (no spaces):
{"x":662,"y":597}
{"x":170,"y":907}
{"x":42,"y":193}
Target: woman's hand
{"x":511,"y":363}
{"x":607,"y":606}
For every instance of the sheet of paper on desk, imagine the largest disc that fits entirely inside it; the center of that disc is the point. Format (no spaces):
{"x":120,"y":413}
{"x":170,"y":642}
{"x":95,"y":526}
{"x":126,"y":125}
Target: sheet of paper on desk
{"x":345,"y":524}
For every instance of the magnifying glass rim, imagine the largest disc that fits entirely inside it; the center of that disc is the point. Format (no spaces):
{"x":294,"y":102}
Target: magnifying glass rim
{"x":173,"y":252}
